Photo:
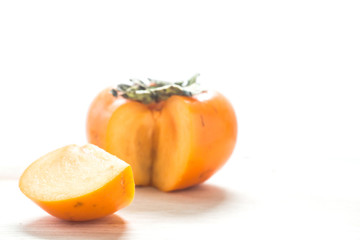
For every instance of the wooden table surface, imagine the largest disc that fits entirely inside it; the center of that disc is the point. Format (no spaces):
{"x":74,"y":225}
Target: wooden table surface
{"x":247,"y":199}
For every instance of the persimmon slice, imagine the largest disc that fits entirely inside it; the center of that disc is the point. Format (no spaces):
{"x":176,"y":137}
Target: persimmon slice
{"x":173,"y":144}
{"x":79,"y":183}
{"x":134,"y":139}
{"x":193,"y":140}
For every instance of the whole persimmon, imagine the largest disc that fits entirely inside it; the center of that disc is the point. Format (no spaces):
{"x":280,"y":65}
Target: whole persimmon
{"x":174,"y":135}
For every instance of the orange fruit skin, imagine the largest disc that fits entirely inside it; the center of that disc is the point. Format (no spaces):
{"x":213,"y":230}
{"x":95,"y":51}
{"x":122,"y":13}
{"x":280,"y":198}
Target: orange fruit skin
{"x":206,"y":124}
{"x":116,"y":194}
{"x":98,"y":116}
{"x":214,"y":130}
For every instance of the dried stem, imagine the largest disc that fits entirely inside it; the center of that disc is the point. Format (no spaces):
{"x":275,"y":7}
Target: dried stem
{"x":156,"y":90}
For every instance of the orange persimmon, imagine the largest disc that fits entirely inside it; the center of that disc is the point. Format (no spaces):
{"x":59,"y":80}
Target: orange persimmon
{"x":174,"y":135}
{"x":79,"y":183}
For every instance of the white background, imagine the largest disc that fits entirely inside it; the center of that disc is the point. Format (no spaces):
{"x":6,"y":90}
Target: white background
{"x":290,"y":68}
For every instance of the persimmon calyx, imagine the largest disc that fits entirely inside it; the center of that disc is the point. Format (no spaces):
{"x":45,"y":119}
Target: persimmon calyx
{"x":155,"y":90}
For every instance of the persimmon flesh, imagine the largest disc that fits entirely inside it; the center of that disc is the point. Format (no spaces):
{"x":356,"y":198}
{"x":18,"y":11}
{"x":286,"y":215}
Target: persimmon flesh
{"x":79,"y":183}
{"x":171,"y":144}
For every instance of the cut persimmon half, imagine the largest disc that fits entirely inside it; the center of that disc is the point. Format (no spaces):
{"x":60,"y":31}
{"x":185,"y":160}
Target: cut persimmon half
{"x":79,"y":183}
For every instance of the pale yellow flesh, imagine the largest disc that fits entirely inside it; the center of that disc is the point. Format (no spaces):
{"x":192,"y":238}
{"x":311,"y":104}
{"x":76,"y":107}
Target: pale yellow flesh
{"x":154,"y":142}
{"x":132,"y":139}
{"x":173,"y":146}
{"x":70,"y":172}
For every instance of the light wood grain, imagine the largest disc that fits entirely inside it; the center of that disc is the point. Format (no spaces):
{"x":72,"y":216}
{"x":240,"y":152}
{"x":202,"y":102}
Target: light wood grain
{"x":263,"y":201}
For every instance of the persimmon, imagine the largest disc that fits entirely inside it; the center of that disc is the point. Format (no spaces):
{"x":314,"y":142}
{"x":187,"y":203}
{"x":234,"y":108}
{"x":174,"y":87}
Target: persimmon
{"x":79,"y":183}
{"x":174,"y":135}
